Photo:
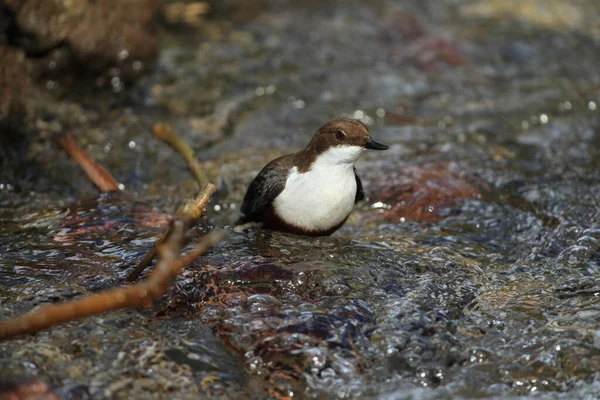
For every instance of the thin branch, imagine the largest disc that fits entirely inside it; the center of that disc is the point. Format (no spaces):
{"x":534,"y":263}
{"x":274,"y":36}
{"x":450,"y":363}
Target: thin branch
{"x":188,"y":214}
{"x":158,"y":282}
{"x":165,"y":133}
{"x":101,"y":177}
{"x":167,"y":247}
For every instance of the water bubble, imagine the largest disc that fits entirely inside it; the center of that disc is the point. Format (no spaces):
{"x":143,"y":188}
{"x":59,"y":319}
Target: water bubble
{"x":543,"y":119}
{"x":525,"y":125}
{"x":131,"y":145}
{"x":259,"y":91}
{"x":137,"y":65}
{"x":378,"y":204}
{"x":358,"y":114}
{"x":299,"y":104}
{"x":380,"y":112}
{"x":217,"y":207}
{"x":567,"y":105}
{"x":50,"y":85}
{"x":270,"y":89}
{"x":254,"y":364}
{"x":412,"y":360}
{"x":121,"y":186}
{"x":316,"y":359}
{"x":116,"y":84}
{"x":366,"y":120}
{"x":592,"y":105}
{"x":123,"y":54}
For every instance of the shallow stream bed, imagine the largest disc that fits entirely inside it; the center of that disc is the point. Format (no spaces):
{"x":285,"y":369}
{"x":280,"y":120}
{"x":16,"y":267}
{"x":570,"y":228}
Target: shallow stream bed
{"x":472,"y":270}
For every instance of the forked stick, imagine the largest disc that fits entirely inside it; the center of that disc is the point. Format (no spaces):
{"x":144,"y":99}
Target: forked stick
{"x":160,"y":279}
{"x":165,"y":133}
{"x":188,"y":214}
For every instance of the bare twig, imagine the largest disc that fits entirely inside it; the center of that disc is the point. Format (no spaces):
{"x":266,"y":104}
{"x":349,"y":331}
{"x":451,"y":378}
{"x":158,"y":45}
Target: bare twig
{"x":188,"y":214}
{"x":101,"y":177}
{"x":167,"y":247}
{"x":165,"y":133}
{"x":158,"y":282}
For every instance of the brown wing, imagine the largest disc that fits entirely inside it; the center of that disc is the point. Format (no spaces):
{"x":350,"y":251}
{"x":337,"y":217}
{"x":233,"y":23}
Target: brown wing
{"x":267,"y":185}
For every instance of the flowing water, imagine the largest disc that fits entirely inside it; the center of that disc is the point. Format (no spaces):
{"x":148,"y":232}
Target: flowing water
{"x":470,"y":272}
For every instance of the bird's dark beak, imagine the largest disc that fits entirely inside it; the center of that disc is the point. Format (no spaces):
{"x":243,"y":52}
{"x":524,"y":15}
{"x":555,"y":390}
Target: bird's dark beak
{"x":375,"y":145}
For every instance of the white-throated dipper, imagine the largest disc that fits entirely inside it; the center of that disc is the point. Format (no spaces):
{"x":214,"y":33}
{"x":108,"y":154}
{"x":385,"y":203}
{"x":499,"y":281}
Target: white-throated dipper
{"x":313,"y":191}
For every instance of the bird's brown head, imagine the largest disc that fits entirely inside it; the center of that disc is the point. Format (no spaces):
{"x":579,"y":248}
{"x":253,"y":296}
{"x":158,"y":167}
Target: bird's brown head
{"x":343,"y":132}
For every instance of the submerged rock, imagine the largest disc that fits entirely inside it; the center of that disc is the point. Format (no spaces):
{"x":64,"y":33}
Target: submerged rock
{"x":425,"y":193}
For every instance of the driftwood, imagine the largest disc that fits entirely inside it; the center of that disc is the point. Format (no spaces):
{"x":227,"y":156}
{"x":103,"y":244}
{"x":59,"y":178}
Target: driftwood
{"x":160,"y":279}
{"x":188,"y":214}
{"x":97,"y":174}
{"x":185,"y":213}
{"x":168,"y":248}
{"x":165,"y":133}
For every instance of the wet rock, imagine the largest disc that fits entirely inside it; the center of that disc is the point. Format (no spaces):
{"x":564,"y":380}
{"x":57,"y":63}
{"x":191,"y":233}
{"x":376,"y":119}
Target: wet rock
{"x":185,"y":14}
{"x":424,"y":193}
{"x":411,"y":41}
{"x":281,"y":344}
{"x":97,"y":34}
{"x":32,"y":390}
{"x":14,"y":86}
{"x":110,"y":212}
{"x":263,"y":272}
{"x":45,"y":356}
{"x":74,"y":392}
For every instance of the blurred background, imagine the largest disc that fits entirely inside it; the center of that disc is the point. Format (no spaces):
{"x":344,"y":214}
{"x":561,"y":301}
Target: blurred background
{"x":471,"y":271}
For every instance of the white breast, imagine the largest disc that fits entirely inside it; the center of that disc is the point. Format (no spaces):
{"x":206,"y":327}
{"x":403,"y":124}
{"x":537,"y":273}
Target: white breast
{"x":323,"y":196}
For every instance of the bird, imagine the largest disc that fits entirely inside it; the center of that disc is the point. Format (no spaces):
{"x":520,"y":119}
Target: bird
{"x":313,"y":191}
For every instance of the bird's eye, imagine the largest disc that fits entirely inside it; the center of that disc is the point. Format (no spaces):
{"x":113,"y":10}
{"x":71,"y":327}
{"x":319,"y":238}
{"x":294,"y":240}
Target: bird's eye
{"x":340,"y":134}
